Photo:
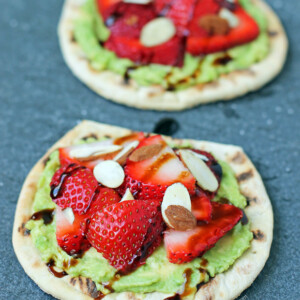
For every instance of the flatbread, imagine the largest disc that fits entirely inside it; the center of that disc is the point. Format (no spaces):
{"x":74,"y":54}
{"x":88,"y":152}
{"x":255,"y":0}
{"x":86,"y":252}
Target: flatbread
{"x":227,"y":285}
{"x":112,"y":86}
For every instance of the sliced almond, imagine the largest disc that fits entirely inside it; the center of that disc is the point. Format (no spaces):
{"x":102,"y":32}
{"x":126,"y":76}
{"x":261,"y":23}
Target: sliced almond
{"x":145,"y":152}
{"x":157,"y":31}
{"x":206,"y":179}
{"x":175,"y":195}
{"x":127,"y":196}
{"x":69,"y":215}
{"x":231,"y":18}
{"x":138,"y":1}
{"x":93,"y":151}
{"x":121,"y":157}
{"x":109,"y":173}
{"x":180,"y":218}
{"x":65,"y":216}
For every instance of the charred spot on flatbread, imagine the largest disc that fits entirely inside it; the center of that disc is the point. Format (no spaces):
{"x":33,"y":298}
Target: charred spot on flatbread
{"x":251,"y":200}
{"x":92,"y":289}
{"x":92,"y":135}
{"x":245,"y":176}
{"x":272,"y":33}
{"x":23,"y":230}
{"x":238,"y":158}
{"x":258,"y":235}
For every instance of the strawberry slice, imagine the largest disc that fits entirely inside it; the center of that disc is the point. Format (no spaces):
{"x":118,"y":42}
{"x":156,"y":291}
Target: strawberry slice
{"x":71,"y":236}
{"x":66,"y":158}
{"x":179,"y":11}
{"x":102,"y":198}
{"x":73,"y":186}
{"x":184,"y":246}
{"x":152,"y":241}
{"x":200,"y":42}
{"x":168,"y":53}
{"x":149,"y":178}
{"x":201,"y":205}
{"x":120,"y":230}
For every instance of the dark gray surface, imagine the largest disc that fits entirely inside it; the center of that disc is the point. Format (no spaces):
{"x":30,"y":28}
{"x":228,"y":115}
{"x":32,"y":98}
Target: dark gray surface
{"x":41,"y":100}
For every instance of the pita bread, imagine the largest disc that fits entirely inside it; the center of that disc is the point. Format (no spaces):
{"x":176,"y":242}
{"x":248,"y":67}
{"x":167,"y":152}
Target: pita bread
{"x":112,"y":86}
{"x":227,"y":285}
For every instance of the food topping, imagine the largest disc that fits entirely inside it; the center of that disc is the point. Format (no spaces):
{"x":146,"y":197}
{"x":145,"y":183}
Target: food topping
{"x":127,"y":196}
{"x":121,"y":157}
{"x":228,"y":15}
{"x":214,"y":25}
{"x":180,"y":218}
{"x":157,"y":31}
{"x":109,"y":173}
{"x":146,"y":152}
{"x":204,"y":176}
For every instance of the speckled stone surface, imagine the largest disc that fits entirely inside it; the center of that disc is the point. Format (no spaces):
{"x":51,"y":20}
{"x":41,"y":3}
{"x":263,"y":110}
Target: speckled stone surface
{"x":40,"y":100}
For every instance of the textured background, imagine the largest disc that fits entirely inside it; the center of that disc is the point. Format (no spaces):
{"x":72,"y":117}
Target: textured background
{"x":41,"y":100}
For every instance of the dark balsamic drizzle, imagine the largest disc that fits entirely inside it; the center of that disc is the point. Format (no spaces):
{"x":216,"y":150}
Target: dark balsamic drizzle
{"x":46,"y":215}
{"x":127,"y":73}
{"x":166,"y":126}
{"x":217,"y":169}
{"x":227,"y":4}
{"x":50,"y":266}
{"x":57,"y":189}
{"x":223,"y":60}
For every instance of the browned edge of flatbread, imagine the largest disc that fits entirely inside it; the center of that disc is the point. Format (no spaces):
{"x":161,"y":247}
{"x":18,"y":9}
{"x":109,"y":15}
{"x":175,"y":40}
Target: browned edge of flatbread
{"x":227,"y":285}
{"x":113,"y":87}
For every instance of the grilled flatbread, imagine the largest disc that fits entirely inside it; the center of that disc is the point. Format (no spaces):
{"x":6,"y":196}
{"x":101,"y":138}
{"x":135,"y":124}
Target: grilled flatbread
{"x":227,"y":285}
{"x":112,"y":86}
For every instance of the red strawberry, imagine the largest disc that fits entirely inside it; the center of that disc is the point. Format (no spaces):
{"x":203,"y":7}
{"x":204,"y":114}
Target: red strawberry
{"x":201,"y":205}
{"x":131,"y":19}
{"x":149,"y":179}
{"x":102,"y":198}
{"x":180,"y":11}
{"x":73,"y":187}
{"x":120,"y":230}
{"x":71,"y":237}
{"x":168,"y":53}
{"x":184,"y":246}
{"x":200,"y":42}
{"x":152,"y":241}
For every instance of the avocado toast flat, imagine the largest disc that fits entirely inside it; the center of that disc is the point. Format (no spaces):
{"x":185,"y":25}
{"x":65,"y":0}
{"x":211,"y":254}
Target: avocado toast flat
{"x":172,"y":55}
{"x":112,"y":213}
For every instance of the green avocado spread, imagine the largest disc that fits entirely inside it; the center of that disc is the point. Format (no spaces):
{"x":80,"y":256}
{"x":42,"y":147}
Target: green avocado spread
{"x":158,"y":274}
{"x":90,"y":31}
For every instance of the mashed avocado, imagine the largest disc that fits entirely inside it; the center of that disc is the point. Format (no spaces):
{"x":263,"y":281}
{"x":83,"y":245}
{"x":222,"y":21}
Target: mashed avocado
{"x":89,"y":31}
{"x":158,"y":274}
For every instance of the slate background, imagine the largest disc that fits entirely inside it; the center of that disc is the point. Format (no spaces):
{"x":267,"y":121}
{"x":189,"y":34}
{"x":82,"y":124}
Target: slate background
{"x":40,"y":100}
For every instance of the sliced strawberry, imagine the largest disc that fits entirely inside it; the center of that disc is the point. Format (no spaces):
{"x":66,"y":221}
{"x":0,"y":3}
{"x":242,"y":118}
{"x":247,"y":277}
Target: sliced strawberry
{"x":168,"y":53}
{"x":120,"y":230}
{"x":201,"y":205}
{"x":179,"y":11}
{"x":71,"y":237}
{"x":102,"y":198}
{"x":152,"y":241}
{"x":184,"y":246}
{"x":200,"y":42}
{"x":73,"y":187}
{"x":131,"y":19}
{"x":149,"y":179}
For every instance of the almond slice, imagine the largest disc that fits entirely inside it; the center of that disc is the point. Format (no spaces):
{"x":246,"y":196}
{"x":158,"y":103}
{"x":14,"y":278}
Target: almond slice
{"x":146,"y":152}
{"x":230,"y":17}
{"x":92,"y":151}
{"x":125,"y":152}
{"x":157,"y":31}
{"x":204,"y":176}
{"x":109,"y":173}
{"x":175,"y":203}
{"x":127,"y":196}
{"x":66,"y":214}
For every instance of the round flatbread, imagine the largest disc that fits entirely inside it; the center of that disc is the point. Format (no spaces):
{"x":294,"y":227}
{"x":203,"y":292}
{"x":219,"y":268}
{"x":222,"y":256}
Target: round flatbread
{"x":232,"y":85}
{"x":227,"y":285}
